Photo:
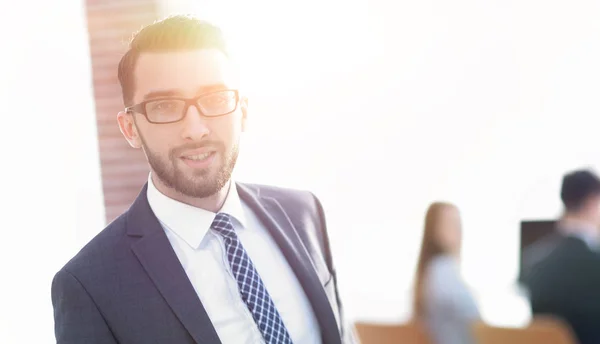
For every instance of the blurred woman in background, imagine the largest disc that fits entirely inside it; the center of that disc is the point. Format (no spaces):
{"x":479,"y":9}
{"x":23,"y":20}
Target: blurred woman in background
{"x":442,"y":301}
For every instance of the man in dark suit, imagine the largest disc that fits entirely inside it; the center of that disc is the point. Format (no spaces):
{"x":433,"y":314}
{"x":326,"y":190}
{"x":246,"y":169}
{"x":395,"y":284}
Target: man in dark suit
{"x":566,"y":282}
{"x":540,"y":249}
{"x":198,"y":258}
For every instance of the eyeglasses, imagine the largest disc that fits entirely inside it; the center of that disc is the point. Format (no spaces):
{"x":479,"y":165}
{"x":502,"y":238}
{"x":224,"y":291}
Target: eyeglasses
{"x":173,"y":109}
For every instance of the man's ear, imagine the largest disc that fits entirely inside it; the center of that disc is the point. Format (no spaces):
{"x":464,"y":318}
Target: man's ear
{"x":129,"y":129}
{"x":244,"y":108}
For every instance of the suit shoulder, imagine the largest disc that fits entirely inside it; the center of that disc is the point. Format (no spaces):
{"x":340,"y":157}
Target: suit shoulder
{"x":100,"y":249}
{"x":568,"y":256}
{"x":294,"y":201}
{"x":279,"y":192}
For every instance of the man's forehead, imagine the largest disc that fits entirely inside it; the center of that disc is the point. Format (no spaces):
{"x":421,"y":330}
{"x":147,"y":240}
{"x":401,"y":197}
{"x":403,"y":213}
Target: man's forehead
{"x":184,"y":70}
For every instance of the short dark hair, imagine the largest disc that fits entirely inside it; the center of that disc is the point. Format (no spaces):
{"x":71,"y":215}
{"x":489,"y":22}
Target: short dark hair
{"x":174,"y":33}
{"x":578,"y":187}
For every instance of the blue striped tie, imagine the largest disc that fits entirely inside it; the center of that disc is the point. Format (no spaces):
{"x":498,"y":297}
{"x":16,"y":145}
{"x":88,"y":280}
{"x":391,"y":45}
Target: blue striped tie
{"x":250,"y":285}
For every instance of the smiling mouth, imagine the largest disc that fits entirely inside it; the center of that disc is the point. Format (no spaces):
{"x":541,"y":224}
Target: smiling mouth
{"x":199,"y":157}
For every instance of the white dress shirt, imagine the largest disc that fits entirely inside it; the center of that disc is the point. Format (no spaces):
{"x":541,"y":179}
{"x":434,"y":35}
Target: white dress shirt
{"x":202,"y":255}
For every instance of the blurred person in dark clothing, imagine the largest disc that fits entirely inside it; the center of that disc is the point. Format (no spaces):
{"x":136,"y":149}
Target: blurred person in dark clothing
{"x":442,"y":301}
{"x":538,"y":250}
{"x":566,"y":280}
{"x":198,"y":257}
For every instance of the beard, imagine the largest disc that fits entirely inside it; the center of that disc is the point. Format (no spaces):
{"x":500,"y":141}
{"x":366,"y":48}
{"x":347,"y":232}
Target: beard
{"x":198,"y":184}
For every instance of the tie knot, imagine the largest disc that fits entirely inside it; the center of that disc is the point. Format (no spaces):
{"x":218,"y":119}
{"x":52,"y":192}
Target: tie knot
{"x":222,"y":225}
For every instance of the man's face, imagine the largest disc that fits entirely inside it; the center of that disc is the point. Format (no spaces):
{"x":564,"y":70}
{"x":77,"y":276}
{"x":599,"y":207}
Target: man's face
{"x":196,"y":155}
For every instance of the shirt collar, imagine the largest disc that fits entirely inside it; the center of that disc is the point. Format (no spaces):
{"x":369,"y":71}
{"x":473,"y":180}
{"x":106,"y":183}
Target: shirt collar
{"x":188,"y":222}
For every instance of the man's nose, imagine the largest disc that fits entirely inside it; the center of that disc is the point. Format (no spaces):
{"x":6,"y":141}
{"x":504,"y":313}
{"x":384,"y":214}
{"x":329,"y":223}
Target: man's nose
{"x":195,"y":126}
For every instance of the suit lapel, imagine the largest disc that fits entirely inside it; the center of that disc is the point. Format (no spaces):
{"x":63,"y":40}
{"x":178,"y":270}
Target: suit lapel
{"x":156,"y":255}
{"x":272,"y":215}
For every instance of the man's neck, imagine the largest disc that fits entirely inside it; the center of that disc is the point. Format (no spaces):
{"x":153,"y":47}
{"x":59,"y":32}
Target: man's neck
{"x":574,"y":224}
{"x":212,"y":203}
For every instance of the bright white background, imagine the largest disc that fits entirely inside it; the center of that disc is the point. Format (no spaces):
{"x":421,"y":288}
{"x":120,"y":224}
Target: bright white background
{"x":50,"y":196}
{"x":379,"y":107}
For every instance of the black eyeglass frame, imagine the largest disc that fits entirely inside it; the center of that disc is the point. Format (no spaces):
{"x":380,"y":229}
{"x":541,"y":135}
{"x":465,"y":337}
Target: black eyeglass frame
{"x":141,"y":107}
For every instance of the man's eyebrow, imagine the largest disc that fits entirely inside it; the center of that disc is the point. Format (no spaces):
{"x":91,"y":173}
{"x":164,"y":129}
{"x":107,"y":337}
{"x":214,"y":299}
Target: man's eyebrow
{"x":178,"y":93}
{"x":211,"y":88}
{"x":162,"y":93}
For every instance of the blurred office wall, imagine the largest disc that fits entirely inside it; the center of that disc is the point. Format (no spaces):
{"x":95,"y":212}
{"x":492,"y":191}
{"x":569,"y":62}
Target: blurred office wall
{"x":111,"y":24}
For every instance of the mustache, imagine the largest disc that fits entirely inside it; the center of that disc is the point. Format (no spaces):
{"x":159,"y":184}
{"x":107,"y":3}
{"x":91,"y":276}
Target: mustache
{"x":216,"y":145}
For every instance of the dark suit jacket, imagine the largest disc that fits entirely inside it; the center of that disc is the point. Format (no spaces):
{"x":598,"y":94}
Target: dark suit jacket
{"x":127,"y":285}
{"x":567,"y":284}
{"x":536,"y":252}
